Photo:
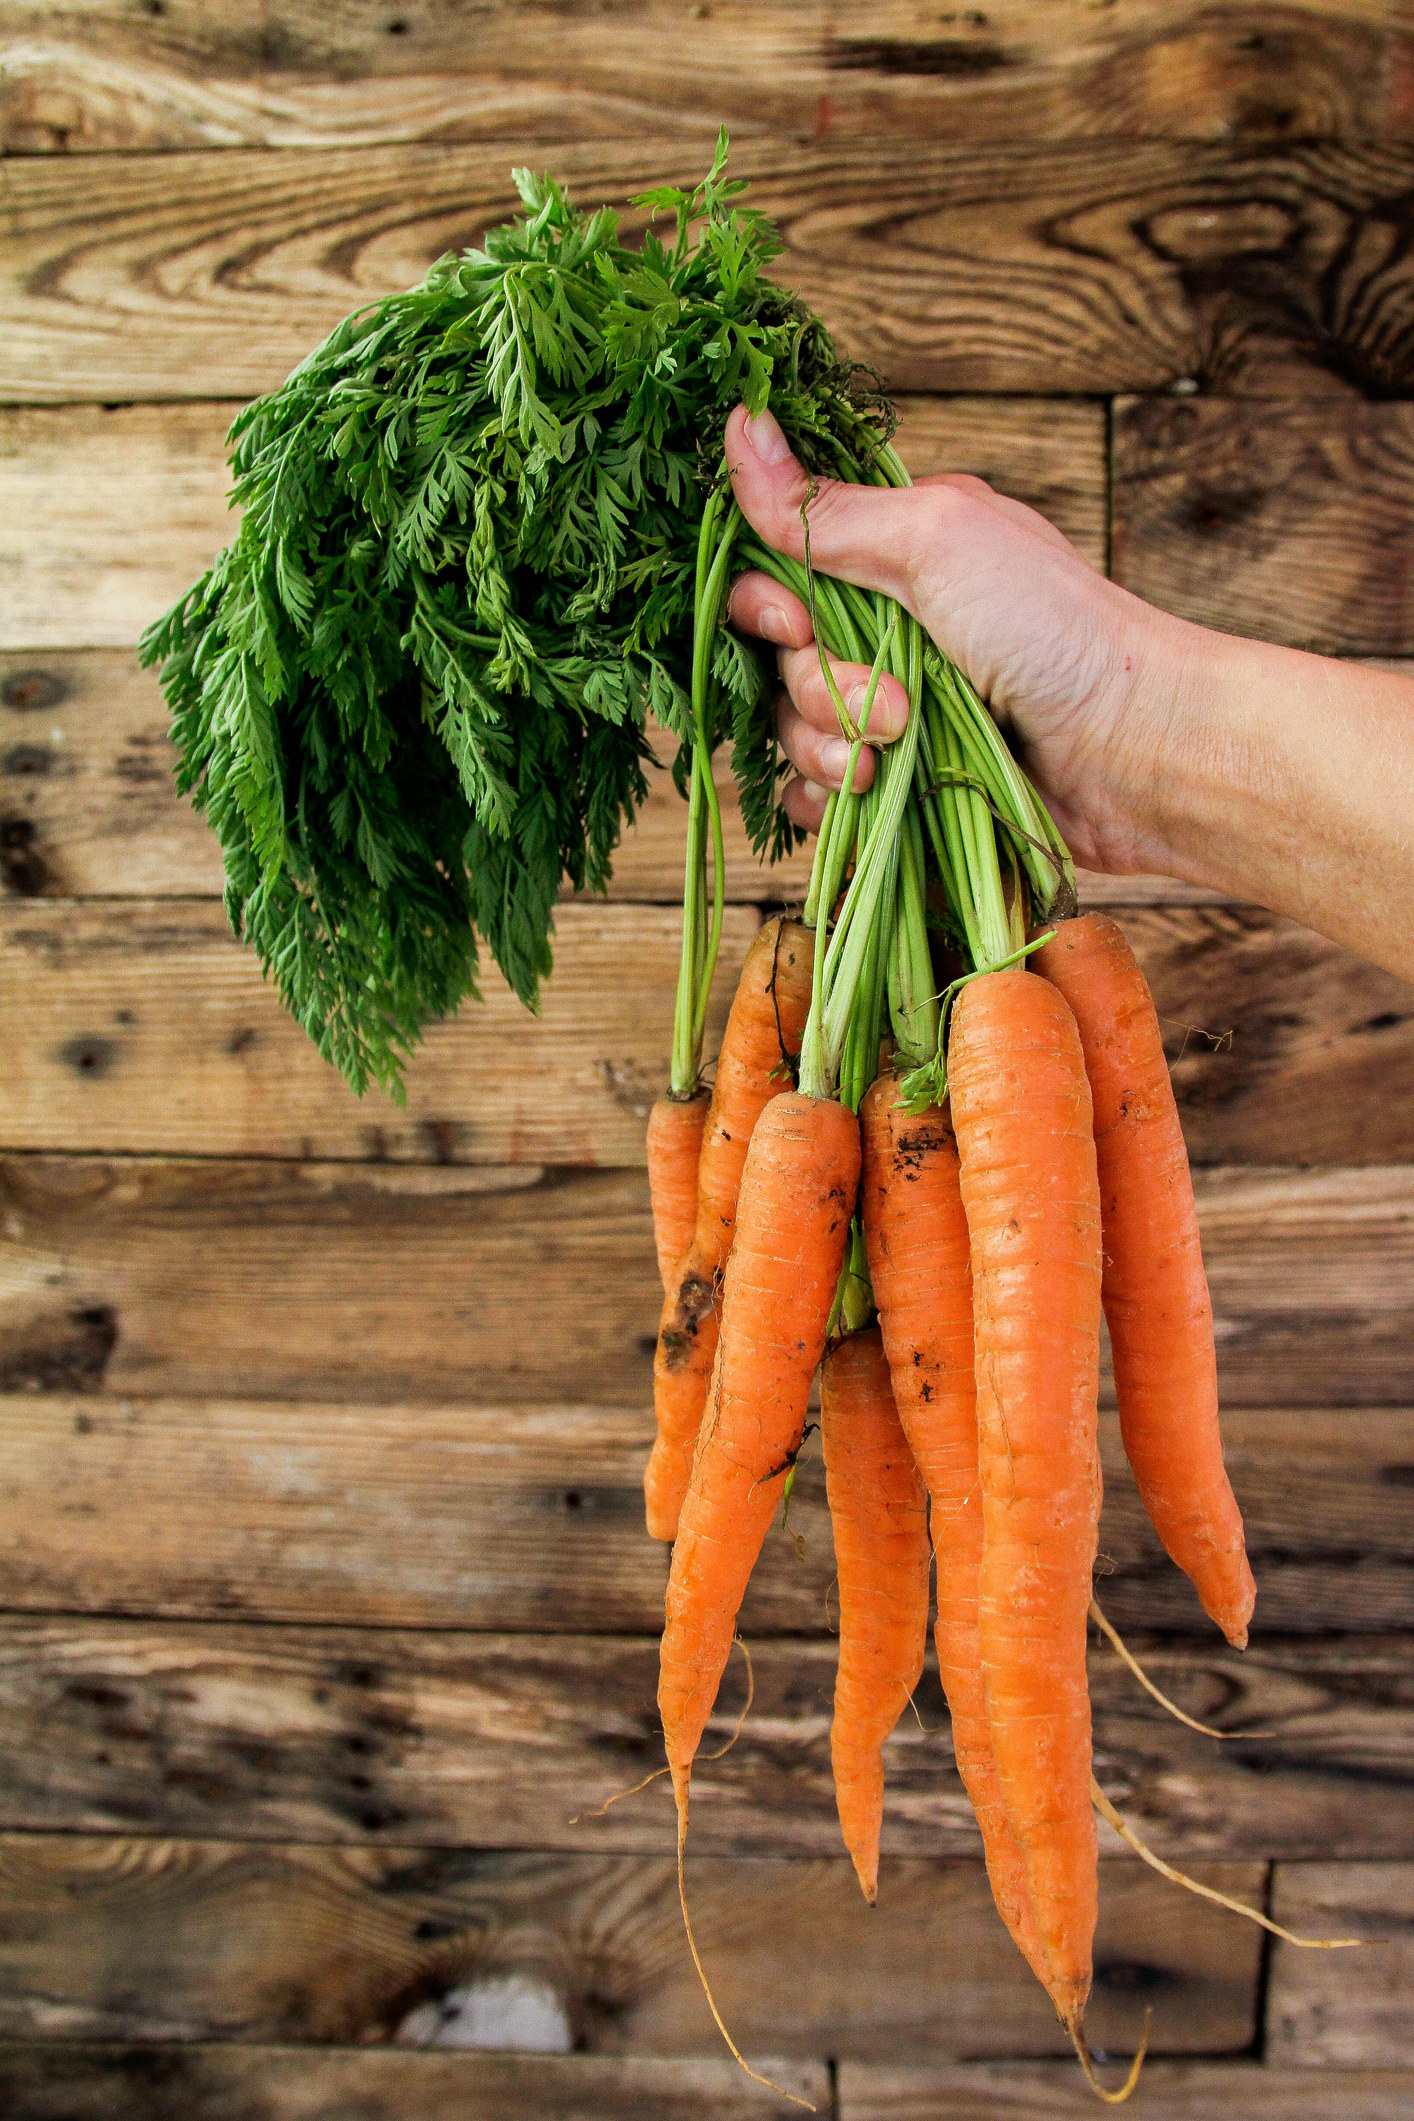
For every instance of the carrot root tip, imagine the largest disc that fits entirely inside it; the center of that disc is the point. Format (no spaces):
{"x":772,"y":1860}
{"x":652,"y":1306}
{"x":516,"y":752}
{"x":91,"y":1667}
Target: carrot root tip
{"x":1075,"y":2026}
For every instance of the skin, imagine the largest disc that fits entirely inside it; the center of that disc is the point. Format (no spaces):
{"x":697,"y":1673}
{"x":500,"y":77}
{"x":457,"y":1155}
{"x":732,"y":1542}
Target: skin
{"x":1269,"y":775}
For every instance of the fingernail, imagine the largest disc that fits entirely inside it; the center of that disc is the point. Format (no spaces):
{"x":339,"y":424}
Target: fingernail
{"x":884,"y":717}
{"x":765,"y":440}
{"x":834,"y":757}
{"x":773,"y":625}
{"x":816,"y":793}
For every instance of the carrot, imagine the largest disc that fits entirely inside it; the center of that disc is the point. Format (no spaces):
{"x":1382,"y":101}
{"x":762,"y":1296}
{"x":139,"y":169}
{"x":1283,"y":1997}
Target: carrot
{"x":1155,"y":1291}
{"x":763,"y":1032}
{"x":879,"y":1511}
{"x":675,"y":1130}
{"x":797,"y":1196}
{"x":920,"y":1266}
{"x":1026,"y":1150}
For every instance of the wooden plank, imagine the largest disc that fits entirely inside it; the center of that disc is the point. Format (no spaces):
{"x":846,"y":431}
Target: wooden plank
{"x":1333,"y":2010}
{"x":1285,"y":520}
{"x":1283,"y":1047}
{"x":270,"y":1733}
{"x":415,"y":1283}
{"x":1172,"y":2091}
{"x":48,"y":2081}
{"x":83,"y":76}
{"x":106,"y":514}
{"x":74,"y":480}
{"x":143,"y":1026}
{"x":155,"y":1005}
{"x":153,"y":1940}
{"x":1091,"y":266}
{"x":386,"y":1280}
{"x":496,"y":1517}
{"x":531,"y":1517}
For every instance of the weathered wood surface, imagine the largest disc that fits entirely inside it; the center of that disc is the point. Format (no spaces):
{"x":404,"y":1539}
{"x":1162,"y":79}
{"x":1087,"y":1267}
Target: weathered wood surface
{"x":532,"y":1517}
{"x":67,"y":2081}
{"x":517,"y":1741}
{"x":107,"y":512}
{"x":1287,"y":520}
{"x":152,"y":1940}
{"x":1334,"y":2010}
{"x":423,"y":1283}
{"x":88,"y":809}
{"x":78,"y":481}
{"x":1009,"y":266}
{"x":82,"y":77}
{"x":146,"y":1027}
{"x":1046,"y":2091}
{"x":389,"y":1281}
{"x":505,"y":1517}
{"x":157,"y":1006}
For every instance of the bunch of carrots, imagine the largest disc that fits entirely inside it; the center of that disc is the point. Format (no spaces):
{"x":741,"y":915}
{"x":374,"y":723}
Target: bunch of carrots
{"x":940,"y":1141}
{"x":410,"y":697}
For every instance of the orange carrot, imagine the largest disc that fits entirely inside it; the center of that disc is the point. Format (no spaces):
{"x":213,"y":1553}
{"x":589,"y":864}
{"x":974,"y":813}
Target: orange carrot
{"x":675,"y":1129}
{"x":1155,"y":1291}
{"x":763,"y":1031}
{"x":915,"y":1231}
{"x":879,"y":1511}
{"x":1026,"y":1149}
{"x":797,"y":1196}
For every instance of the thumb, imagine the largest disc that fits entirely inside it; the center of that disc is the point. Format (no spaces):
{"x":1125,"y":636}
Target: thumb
{"x":872,"y":535}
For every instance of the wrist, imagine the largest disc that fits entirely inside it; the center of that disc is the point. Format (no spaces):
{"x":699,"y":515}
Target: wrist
{"x":1179,"y":762}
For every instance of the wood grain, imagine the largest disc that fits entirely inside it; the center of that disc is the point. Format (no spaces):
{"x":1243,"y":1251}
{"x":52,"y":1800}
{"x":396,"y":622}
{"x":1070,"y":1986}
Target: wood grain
{"x":1328,"y":2010}
{"x":106,"y":514}
{"x":1285,"y":520}
{"x":155,"y":1005}
{"x":1092,"y":266}
{"x":1283,"y":1047}
{"x":407,"y":1283}
{"x":145,"y":1027}
{"x":415,"y":1516}
{"x":517,"y":1741}
{"x":1172,"y":2091}
{"x":531,"y":1517}
{"x":82,"y":77}
{"x":47,"y":2081}
{"x":154,"y":1940}
{"x":385,"y":1280}
{"x":75,"y":480}
{"x":88,"y":808}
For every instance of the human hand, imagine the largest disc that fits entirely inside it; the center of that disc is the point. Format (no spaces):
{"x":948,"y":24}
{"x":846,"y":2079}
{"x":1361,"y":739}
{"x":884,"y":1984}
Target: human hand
{"x":1062,"y":656}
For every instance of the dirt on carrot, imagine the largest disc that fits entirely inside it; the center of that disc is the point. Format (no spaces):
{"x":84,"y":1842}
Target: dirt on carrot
{"x":797,"y":1196}
{"x":920,"y":1265}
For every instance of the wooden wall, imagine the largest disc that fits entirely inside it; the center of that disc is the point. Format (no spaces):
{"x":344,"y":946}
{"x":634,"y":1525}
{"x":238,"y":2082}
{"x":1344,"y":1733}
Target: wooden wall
{"x":328,"y":1616}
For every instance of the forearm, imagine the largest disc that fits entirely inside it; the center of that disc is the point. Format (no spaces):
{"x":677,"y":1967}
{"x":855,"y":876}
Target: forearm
{"x":1286,"y":779}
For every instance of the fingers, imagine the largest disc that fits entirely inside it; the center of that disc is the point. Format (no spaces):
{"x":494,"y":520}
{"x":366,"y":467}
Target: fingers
{"x":804,"y":804}
{"x":869,"y":534}
{"x":760,"y":606}
{"x":819,"y":755}
{"x":805,"y":682}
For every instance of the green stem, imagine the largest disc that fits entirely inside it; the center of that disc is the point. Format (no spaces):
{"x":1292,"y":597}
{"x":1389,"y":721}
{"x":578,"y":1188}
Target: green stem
{"x":701,"y":933}
{"x":687,"y":1053}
